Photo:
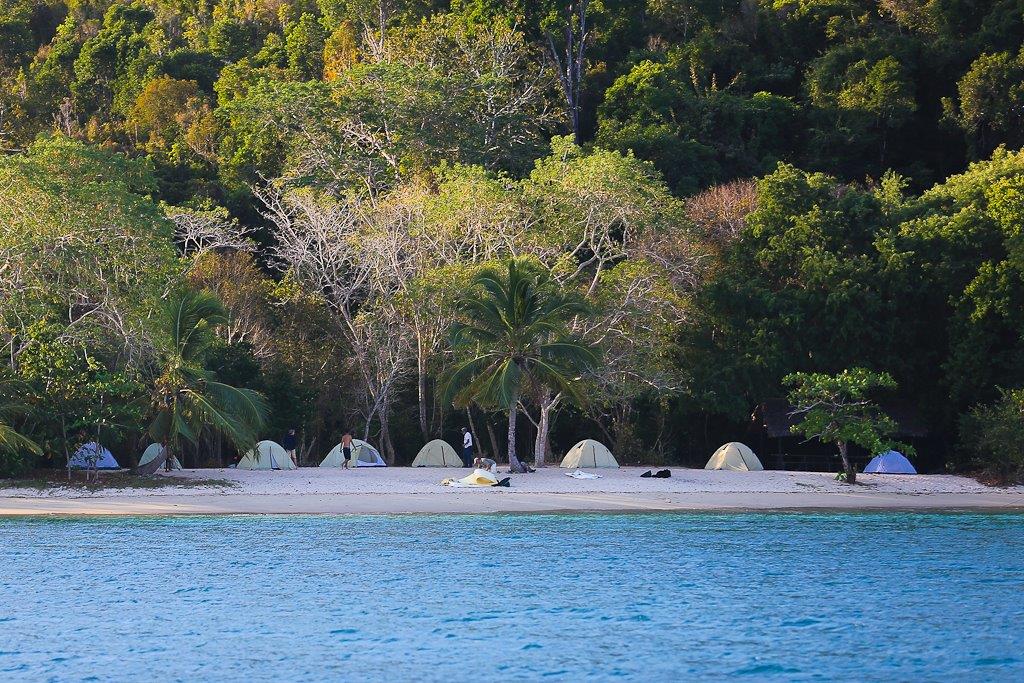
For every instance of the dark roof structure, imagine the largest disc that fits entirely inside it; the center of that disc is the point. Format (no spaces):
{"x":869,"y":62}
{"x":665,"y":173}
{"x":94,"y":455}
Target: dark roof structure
{"x":776,"y":418}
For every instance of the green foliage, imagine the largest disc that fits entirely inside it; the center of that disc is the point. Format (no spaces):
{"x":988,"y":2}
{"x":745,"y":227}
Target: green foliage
{"x":695,"y":133}
{"x":15,"y":30}
{"x":707,"y":91}
{"x":435,"y":119}
{"x":164,"y":112}
{"x":577,"y":192}
{"x":83,"y":242}
{"x":802,"y":288}
{"x":963,"y":242}
{"x":110,"y":66}
{"x":993,"y":435}
{"x":991,"y":101}
{"x":512,"y":327}
{"x":187,"y":397}
{"x":232,"y":39}
{"x":15,"y":447}
{"x":512,"y":337}
{"x":305,"y":46}
{"x":839,"y":409}
{"x":74,"y":392}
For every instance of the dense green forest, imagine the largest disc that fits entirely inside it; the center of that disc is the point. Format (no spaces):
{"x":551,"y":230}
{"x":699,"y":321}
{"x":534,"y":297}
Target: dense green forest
{"x":223,"y":218}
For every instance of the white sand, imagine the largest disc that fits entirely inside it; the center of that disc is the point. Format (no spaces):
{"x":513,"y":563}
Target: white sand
{"x":408,"y":490}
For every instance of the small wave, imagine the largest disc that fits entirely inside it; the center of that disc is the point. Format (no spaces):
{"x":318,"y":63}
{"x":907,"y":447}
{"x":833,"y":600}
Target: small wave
{"x":996,"y":661}
{"x":763,"y":669}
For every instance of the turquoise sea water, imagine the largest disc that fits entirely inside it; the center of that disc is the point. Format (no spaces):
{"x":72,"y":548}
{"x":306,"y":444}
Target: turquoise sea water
{"x":876,"y":597}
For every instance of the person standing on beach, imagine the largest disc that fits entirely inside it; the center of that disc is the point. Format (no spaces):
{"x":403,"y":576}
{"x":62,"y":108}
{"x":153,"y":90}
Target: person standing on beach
{"x":290,"y":442}
{"x":346,"y":449}
{"x":467,"y":447}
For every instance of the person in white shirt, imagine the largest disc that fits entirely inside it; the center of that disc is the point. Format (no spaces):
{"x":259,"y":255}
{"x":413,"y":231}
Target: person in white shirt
{"x":467,"y":447}
{"x":486,"y":464}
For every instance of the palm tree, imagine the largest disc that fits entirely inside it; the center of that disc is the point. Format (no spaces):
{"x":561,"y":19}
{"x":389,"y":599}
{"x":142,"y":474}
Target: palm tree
{"x":187,"y":397}
{"x":10,"y":440}
{"x":512,"y":328}
{"x":13,"y":442}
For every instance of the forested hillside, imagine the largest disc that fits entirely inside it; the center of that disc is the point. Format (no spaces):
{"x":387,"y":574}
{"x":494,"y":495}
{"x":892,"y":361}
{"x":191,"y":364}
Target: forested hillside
{"x":730,"y":192}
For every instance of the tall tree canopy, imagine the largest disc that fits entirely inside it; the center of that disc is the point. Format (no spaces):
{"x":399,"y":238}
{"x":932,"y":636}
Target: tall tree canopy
{"x":737,"y":191}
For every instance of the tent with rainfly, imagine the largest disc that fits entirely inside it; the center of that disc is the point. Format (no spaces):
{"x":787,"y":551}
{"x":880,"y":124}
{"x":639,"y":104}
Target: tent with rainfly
{"x":93,"y":455}
{"x":589,"y":453}
{"x":890,"y":462}
{"x":267,"y":455}
{"x":437,"y":453}
{"x":152,"y":452}
{"x":363,"y":455}
{"x":735,"y":457}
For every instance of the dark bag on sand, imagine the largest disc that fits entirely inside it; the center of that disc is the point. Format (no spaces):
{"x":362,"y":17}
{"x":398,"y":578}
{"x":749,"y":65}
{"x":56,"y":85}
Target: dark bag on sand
{"x":504,"y":482}
{"x":646,"y":475}
{"x":662,"y":474}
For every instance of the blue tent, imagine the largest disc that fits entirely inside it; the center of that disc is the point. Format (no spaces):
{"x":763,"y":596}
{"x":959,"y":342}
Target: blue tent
{"x":890,"y":462}
{"x":91,"y":453}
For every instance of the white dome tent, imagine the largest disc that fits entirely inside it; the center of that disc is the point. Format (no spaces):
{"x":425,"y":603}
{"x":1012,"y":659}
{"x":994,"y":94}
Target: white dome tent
{"x":363,"y":455}
{"x":152,"y":452}
{"x":267,"y":455}
{"x":589,"y":453}
{"x":437,"y":453}
{"x":735,"y":457}
{"x":93,"y":456}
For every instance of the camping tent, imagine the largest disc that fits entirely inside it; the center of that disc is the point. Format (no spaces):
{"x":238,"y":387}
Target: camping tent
{"x":437,"y":453}
{"x":890,"y":462}
{"x":153,"y":452}
{"x":363,"y":455}
{"x":734,"y":456}
{"x":267,"y":455}
{"x":589,"y":453}
{"x":93,"y":455}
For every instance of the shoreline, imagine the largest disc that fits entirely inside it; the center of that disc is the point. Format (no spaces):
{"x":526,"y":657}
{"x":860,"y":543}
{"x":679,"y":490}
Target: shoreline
{"x":393,"y":505}
{"x":417,"y":491}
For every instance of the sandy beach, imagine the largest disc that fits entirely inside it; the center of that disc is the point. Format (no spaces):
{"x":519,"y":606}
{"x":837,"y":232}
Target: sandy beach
{"x":407,"y":490}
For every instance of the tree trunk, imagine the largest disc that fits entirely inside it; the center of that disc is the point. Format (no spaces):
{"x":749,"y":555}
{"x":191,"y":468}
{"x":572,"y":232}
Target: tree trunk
{"x":851,"y":474}
{"x":513,"y":462}
{"x":570,"y":68}
{"x":494,"y":441}
{"x":94,"y":464}
{"x":421,"y":386}
{"x":369,"y":421}
{"x":622,"y":427}
{"x":385,"y":438}
{"x":67,"y":451}
{"x":153,"y":465}
{"x":540,"y":445}
{"x":472,"y":431}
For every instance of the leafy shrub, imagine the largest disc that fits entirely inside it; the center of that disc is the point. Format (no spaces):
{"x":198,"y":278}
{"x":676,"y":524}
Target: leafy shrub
{"x":13,"y":464}
{"x":993,"y":435}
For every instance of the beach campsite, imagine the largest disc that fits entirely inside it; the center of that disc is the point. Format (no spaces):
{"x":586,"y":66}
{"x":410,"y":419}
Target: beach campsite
{"x":511,"y":340}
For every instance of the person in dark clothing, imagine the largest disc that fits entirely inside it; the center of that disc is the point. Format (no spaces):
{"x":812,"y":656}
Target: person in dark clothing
{"x":290,"y":442}
{"x":467,"y":448}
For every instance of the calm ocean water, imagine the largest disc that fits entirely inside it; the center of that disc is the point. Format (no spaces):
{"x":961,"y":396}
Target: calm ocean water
{"x":876,"y":597}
